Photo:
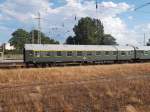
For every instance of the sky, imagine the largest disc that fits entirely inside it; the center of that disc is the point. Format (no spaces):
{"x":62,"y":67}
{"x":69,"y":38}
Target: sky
{"x":58,"y":18}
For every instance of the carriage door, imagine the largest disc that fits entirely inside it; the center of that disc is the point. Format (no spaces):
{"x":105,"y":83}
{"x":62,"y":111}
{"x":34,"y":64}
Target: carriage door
{"x":139,"y":54}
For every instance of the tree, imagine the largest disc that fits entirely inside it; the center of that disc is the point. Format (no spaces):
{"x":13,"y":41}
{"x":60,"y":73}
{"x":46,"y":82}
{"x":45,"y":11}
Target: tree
{"x":44,"y":39}
{"x":19,"y":38}
{"x":70,"y":40}
{"x":90,"y":32}
{"x":109,"y":40}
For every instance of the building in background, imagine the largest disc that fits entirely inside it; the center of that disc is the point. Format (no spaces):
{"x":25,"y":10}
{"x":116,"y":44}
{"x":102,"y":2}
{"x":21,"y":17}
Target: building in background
{"x":1,"y":51}
{"x":9,"y":47}
{"x":5,"y":47}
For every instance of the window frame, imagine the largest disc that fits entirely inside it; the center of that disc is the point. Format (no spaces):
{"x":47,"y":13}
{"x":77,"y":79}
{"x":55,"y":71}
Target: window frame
{"x":98,"y":53}
{"x":146,"y":53}
{"x":69,"y":52}
{"x":107,"y":53}
{"x":43,"y":53}
{"x":48,"y":53}
{"x":79,"y":52}
{"x":89,"y":53}
{"x":57,"y":52}
{"x":123,"y":53}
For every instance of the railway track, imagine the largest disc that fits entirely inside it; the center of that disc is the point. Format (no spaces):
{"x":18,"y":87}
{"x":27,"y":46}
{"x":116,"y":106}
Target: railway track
{"x":12,"y":64}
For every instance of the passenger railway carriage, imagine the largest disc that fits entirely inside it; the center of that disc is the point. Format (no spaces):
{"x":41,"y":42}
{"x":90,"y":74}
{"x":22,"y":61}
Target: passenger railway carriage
{"x":47,"y":54}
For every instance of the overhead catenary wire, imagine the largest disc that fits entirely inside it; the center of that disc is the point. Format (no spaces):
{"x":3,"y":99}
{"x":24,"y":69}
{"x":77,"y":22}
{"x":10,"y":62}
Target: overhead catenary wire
{"x":144,"y":5}
{"x":32,"y":35}
{"x":140,"y":7}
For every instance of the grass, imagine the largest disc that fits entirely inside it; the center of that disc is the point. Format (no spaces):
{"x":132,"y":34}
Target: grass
{"x":103,"y":88}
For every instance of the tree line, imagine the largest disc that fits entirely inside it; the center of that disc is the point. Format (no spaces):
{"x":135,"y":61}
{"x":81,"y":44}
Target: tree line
{"x":88,"y":31}
{"x":21,"y":37}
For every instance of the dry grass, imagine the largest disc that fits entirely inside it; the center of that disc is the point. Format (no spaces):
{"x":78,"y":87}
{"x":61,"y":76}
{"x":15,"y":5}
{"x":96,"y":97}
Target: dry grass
{"x":105,"y":88}
{"x":71,"y":73}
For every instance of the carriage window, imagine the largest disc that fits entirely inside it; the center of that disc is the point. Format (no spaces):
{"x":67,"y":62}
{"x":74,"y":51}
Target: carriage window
{"x":70,"y":53}
{"x":89,"y":53}
{"x":59,"y":53}
{"x":98,"y":53}
{"x":115,"y":53}
{"x":48,"y":54}
{"x":79,"y":53}
{"x":107,"y":53}
{"x":123,"y":53}
{"x":129,"y":52}
{"x":43,"y":54}
{"x":146,"y":52}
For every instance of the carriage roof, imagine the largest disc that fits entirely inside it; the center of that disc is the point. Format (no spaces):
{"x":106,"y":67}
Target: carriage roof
{"x":61,"y":47}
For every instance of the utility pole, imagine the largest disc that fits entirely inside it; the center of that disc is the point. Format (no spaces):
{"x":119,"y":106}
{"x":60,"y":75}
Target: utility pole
{"x":39,"y":27}
{"x":144,"y":39}
{"x":96,"y":9}
{"x":32,"y":36}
